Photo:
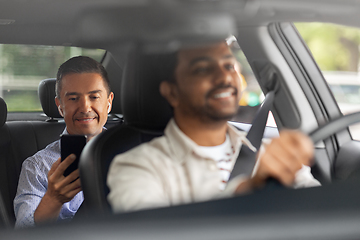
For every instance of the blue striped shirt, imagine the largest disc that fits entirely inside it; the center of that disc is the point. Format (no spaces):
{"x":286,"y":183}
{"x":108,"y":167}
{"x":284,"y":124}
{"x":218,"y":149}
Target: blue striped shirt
{"x":33,"y":184}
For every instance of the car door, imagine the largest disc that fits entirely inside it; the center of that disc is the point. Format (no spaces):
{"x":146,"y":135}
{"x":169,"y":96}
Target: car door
{"x":304,"y":99}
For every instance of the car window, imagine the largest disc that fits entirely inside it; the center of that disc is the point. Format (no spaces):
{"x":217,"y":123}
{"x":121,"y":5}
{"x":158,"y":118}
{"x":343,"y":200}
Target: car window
{"x":252,"y":95}
{"x":336,"y":50}
{"x":22,"y":67}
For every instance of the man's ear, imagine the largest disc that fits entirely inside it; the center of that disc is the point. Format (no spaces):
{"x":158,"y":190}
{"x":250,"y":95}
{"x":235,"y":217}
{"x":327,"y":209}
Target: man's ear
{"x":169,"y":92}
{"x":57,"y":102}
{"x":110,"y":100}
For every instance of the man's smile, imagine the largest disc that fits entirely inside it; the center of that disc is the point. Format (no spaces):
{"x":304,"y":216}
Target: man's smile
{"x":85,"y":118}
{"x":222,"y":93}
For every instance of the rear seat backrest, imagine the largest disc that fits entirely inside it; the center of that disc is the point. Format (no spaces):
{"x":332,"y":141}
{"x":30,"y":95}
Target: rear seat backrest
{"x":146,"y":114}
{"x":5,"y":212}
{"x":26,"y":138}
{"x":22,"y":139}
{"x":47,"y":95}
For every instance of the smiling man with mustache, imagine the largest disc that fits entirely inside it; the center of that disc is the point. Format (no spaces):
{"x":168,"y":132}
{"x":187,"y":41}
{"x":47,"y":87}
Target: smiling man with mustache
{"x":193,"y":160}
{"x":84,"y":99}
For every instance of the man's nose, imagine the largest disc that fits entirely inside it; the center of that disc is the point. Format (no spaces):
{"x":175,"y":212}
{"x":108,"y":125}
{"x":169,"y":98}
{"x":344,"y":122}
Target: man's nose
{"x":223,"y":76}
{"x":85,"y":105}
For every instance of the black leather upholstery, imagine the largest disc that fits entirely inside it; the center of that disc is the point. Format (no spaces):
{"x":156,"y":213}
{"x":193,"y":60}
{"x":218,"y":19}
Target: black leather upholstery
{"x":47,"y":95}
{"x":5,"y":213}
{"x":27,"y":138}
{"x":3,"y":112}
{"x":21,"y":139}
{"x":142,"y":104}
{"x":146,"y":114}
{"x":97,"y":156}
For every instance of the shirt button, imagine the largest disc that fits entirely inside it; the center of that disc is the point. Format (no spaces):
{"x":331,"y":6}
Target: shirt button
{"x":212,"y":167}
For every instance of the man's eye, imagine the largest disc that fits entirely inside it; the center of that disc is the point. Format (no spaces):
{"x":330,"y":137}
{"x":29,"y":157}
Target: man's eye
{"x":73,"y":99}
{"x":230,"y":66}
{"x":201,"y":70}
{"x":94,"y":97}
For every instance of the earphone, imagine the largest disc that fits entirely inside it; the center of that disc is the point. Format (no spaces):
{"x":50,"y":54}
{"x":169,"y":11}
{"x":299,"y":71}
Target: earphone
{"x":109,"y":107}
{"x":60,"y":111}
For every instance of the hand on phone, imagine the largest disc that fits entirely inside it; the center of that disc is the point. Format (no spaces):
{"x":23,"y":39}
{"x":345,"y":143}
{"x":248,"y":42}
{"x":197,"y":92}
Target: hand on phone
{"x":60,"y":190}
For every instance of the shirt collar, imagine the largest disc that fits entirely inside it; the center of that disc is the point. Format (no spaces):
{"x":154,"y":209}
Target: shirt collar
{"x":182,"y":145}
{"x":65,"y":132}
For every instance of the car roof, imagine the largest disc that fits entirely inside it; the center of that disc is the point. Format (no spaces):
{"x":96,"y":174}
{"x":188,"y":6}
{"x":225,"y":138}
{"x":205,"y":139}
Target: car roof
{"x":58,"y":22}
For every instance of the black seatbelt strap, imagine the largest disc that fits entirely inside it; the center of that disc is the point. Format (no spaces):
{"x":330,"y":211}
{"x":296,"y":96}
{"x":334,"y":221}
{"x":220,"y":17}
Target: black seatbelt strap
{"x":247,"y":158}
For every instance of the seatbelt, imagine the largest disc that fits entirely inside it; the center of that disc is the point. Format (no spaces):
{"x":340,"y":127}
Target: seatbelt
{"x":246,"y":159}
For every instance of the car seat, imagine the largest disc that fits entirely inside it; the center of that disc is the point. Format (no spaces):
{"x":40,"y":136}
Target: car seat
{"x":5,"y":212}
{"x":21,"y":139}
{"x":146,"y":114}
{"x":47,"y":95}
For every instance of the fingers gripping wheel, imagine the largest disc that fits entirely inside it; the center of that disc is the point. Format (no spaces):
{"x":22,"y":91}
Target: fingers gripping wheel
{"x":319,"y":134}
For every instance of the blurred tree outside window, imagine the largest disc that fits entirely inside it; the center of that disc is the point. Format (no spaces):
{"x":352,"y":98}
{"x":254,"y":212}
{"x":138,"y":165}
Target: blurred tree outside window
{"x":22,"y":67}
{"x":336,"y":49}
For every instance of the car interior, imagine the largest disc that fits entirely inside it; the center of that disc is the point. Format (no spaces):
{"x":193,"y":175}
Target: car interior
{"x":134,"y":34}
{"x":21,"y":139}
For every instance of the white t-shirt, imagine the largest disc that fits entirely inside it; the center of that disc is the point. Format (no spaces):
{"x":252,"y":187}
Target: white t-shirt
{"x":222,"y":154}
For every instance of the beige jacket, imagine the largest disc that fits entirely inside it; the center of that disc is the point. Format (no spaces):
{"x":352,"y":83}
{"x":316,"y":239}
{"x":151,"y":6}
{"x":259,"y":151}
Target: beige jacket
{"x":172,"y":170}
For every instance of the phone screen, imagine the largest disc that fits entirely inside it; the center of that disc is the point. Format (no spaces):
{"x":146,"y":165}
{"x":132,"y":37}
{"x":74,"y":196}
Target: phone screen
{"x":72,"y":144}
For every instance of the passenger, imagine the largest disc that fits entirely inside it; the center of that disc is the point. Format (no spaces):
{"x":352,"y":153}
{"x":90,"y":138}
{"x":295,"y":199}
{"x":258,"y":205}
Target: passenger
{"x":193,"y":160}
{"x":84,"y":99}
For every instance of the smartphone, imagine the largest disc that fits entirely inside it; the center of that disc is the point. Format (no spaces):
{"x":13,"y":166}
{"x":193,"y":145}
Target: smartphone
{"x":71,"y":144}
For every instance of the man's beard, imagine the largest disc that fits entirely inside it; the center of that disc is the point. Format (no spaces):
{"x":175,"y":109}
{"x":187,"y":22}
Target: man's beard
{"x":209,"y":114}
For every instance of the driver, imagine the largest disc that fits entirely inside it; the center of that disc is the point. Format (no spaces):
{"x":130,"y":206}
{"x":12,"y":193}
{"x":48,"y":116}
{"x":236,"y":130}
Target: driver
{"x":193,"y":160}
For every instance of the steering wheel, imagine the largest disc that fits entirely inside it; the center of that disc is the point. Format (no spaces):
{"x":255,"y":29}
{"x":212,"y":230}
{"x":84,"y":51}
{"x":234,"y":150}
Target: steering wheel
{"x":316,"y":136}
{"x":334,"y":126}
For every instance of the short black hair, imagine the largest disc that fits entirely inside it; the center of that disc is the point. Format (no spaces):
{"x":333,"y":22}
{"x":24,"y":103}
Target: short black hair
{"x":80,"y":64}
{"x":166,"y":63}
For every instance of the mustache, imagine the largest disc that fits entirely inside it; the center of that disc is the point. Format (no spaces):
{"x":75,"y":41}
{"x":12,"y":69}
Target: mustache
{"x":220,"y":87}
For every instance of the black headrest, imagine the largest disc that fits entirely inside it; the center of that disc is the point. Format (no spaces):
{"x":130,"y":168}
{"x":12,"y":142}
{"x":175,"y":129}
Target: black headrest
{"x":3,"y":112}
{"x":47,"y":95}
{"x":142,"y":104}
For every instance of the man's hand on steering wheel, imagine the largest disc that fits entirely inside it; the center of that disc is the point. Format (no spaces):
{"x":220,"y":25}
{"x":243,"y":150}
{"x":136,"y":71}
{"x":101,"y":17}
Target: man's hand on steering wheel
{"x":283,"y":157}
